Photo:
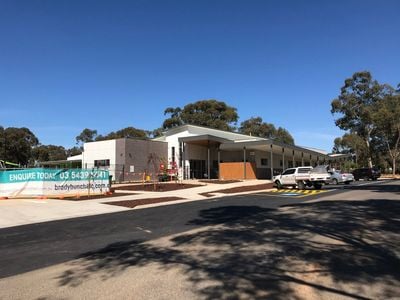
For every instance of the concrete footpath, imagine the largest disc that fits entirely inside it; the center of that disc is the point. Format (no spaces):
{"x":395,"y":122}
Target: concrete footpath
{"x":14,"y":212}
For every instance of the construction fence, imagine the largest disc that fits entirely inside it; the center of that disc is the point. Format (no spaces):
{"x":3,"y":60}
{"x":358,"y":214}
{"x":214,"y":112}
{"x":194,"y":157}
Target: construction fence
{"x":122,"y":173}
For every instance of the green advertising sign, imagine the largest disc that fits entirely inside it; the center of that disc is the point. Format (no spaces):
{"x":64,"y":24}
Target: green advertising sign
{"x":39,"y":174}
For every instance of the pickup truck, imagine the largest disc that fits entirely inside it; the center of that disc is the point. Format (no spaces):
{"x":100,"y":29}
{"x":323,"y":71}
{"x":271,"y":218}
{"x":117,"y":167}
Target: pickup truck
{"x":303,"y":177}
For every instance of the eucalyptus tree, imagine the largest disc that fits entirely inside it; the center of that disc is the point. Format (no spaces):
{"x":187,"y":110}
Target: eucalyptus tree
{"x":356,"y":104}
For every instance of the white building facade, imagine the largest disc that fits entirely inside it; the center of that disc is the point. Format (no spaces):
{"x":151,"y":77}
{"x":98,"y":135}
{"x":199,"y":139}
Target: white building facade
{"x":201,"y":152}
{"x":196,"y":152}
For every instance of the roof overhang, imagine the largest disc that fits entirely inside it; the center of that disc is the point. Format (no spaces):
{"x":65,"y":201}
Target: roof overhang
{"x":203,"y":140}
{"x":266,"y":145}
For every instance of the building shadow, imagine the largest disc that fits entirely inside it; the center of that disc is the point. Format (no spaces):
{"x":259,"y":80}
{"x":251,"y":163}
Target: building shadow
{"x":256,"y":253}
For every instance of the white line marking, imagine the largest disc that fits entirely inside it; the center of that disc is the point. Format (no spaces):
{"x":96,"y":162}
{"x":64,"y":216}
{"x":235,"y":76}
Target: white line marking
{"x":142,"y":229}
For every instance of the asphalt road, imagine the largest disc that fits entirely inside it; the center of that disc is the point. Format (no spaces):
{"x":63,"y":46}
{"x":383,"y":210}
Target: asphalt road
{"x":30,"y":247}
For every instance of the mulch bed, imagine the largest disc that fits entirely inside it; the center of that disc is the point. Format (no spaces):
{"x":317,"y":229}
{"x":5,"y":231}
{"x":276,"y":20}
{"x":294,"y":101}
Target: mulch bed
{"x":216,"y":181}
{"x":159,"y":187}
{"x":247,"y":188}
{"x":91,"y":197}
{"x":208,"y":194}
{"x":134,"y":203}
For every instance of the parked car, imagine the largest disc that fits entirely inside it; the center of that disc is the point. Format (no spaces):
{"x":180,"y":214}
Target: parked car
{"x":303,"y":177}
{"x":338,"y":177}
{"x":366,"y":174}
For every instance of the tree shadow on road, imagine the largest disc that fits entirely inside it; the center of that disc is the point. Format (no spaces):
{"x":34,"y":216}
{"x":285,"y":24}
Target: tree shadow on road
{"x":343,"y":248}
{"x":388,"y":186}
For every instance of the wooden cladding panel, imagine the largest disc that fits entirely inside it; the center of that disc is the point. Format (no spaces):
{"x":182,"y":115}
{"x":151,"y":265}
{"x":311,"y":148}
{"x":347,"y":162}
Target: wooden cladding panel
{"x":235,"y":170}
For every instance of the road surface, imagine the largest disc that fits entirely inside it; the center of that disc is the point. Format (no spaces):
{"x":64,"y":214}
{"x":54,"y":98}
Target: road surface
{"x":343,"y":242}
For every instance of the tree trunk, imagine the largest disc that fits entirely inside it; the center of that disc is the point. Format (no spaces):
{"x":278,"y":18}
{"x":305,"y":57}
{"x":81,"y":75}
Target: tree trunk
{"x":394,"y":166}
{"x":369,"y":153}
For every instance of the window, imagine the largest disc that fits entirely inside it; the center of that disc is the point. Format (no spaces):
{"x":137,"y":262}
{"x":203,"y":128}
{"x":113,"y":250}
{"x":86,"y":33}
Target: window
{"x":289,"y":171}
{"x":102,"y":163}
{"x":180,"y":154}
{"x":290,"y":164}
{"x":304,"y":170}
{"x":173,"y":154}
{"x":264,"y":161}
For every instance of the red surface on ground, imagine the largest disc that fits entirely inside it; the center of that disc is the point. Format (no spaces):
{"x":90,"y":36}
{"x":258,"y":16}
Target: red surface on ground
{"x":134,"y":203}
{"x":86,"y":197}
{"x":247,"y":188}
{"x":158,"y":187}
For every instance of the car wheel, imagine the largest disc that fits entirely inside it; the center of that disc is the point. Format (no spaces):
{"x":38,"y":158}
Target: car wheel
{"x":317,"y":186}
{"x":301,"y":185}
{"x":278,"y":184}
{"x":335,"y":181}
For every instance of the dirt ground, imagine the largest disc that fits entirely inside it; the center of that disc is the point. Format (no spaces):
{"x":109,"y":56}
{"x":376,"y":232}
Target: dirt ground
{"x":104,"y":196}
{"x":158,"y":187}
{"x":248,"y":188}
{"x":216,"y":181}
{"x":134,"y":203}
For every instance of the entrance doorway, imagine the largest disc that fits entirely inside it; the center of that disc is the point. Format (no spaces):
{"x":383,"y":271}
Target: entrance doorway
{"x":197,"y":169}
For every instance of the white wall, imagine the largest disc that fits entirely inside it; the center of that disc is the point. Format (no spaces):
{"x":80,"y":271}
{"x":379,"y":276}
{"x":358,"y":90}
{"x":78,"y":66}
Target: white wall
{"x":99,"y":150}
{"x":173,"y":141}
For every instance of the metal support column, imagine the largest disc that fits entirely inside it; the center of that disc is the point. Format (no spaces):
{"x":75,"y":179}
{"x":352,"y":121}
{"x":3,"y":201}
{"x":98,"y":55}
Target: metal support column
{"x":244,"y":162}
{"x":293,"y":165}
{"x":272,"y":163}
{"x":302,"y":159}
{"x":219,"y":161}
{"x":183,"y":161}
{"x":208,"y":161}
{"x":283,"y":158}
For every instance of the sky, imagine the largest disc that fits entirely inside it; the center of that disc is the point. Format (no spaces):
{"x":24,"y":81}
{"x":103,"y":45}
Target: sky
{"x":106,"y":65}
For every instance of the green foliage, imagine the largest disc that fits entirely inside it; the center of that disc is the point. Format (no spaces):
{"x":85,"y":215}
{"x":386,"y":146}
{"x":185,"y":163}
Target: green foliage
{"x":210,"y":113}
{"x":174,"y":119}
{"x":355,"y":106}
{"x":87,"y":135}
{"x":16,"y":144}
{"x":155,"y":133}
{"x":356,"y":102}
{"x":128,"y":132}
{"x":284,"y":136}
{"x":73,"y":151}
{"x":256,"y":127}
{"x":371,"y":113}
{"x":386,"y":116}
{"x":44,"y":153}
{"x":351,"y":143}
